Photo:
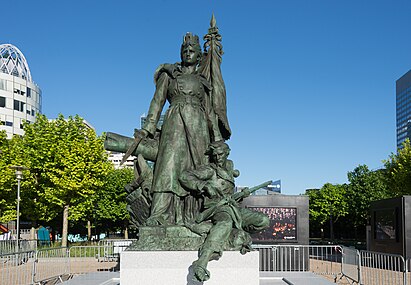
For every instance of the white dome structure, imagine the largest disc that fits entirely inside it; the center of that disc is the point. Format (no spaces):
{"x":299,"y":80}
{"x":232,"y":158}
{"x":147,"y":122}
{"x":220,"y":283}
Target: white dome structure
{"x":13,"y":62}
{"x":20,"y":97}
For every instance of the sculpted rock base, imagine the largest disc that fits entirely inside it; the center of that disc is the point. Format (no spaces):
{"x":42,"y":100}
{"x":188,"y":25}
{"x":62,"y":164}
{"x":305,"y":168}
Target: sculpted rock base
{"x":173,"y":238}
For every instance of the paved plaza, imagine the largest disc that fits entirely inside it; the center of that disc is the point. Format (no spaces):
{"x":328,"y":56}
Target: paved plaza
{"x":266,"y":278}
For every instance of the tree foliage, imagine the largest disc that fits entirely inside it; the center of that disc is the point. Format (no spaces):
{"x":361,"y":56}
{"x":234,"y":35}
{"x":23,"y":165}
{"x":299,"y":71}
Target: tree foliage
{"x":365,"y":186}
{"x":327,"y":202}
{"x":12,"y":154}
{"x":111,"y":205}
{"x":7,"y":194}
{"x":399,"y":170}
{"x":67,"y":167}
{"x":348,"y":204}
{"x":68,"y":163}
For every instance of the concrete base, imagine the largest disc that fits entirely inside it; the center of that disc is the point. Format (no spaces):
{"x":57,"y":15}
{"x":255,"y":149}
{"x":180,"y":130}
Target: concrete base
{"x":174,"y":268}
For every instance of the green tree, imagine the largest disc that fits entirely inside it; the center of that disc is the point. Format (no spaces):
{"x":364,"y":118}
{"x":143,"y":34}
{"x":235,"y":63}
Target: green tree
{"x":364,"y":187}
{"x":327,"y":205}
{"x":68,"y":164}
{"x":12,"y":153}
{"x":7,"y":197}
{"x":399,"y":170}
{"x":111,"y":205}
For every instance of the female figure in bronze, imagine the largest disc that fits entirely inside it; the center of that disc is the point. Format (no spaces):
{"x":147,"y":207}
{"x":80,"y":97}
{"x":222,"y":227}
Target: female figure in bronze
{"x":188,"y":128}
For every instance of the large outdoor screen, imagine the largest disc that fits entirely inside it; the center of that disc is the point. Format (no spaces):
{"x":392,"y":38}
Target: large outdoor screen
{"x":283,"y":224}
{"x":386,"y":224}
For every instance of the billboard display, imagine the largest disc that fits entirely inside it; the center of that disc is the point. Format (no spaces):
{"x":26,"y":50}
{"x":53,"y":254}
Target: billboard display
{"x":386,"y":224}
{"x":283,"y":224}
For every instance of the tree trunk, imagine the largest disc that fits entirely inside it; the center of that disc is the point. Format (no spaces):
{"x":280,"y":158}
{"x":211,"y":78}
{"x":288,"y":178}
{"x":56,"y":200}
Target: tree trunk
{"x":33,"y":233}
{"x":126,"y":233}
{"x":89,"y":230}
{"x":64,"y":234}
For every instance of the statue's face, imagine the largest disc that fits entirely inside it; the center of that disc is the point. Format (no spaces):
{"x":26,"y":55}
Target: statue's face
{"x":190,"y":55}
{"x":220,"y":156}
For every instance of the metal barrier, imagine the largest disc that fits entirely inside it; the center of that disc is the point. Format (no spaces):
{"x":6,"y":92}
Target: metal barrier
{"x":90,"y":259}
{"x":350,"y":265}
{"x":326,"y":260}
{"x":51,"y":264}
{"x":57,"y":264}
{"x":54,"y":265}
{"x":382,"y":268}
{"x":85,"y":259}
{"x":10,"y":246}
{"x":113,"y":247}
{"x":17,"y":268}
{"x":291,"y":258}
{"x":322,"y":260}
{"x":265,"y":256}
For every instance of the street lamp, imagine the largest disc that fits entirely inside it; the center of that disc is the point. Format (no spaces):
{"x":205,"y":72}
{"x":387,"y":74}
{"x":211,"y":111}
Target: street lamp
{"x":19,"y":176}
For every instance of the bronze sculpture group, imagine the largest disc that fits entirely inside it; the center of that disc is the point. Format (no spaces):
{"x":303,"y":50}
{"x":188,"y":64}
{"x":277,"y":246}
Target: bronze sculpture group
{"x":192,"y":182}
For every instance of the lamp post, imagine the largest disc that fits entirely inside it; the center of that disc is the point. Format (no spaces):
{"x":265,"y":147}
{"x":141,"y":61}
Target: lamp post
{"x":331,"y":223}
{"x":19,"y":176}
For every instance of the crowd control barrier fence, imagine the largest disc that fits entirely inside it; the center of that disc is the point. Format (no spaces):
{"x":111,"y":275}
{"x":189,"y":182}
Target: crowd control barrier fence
{"x":321,"y":260}
{"x":11,"y":246}
{"x":382,"y":268}
{"x":336,"y":263}
{"x":350,"y":265}
{"x":17,"y":268}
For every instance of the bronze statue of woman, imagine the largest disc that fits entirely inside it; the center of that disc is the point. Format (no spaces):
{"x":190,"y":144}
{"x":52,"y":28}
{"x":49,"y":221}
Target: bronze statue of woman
{"x":190,"y":124}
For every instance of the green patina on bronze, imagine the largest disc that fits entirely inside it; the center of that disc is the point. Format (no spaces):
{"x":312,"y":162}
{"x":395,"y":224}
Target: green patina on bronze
{"x":186,"y":201}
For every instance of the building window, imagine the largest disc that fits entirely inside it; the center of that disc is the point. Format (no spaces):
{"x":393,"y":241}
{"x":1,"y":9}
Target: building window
{"x":3,"y":84}
{"x":9,"y":124}
{"x":2,"y":102}
{"x":18,"y":106}
{"x":28,"y":92}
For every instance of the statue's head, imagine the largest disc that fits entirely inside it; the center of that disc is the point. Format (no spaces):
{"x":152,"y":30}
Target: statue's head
{"x":218,"y":152}
{"x":191,"y":50}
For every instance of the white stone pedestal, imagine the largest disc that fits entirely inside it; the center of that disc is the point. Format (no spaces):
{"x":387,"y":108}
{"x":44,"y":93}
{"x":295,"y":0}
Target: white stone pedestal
{"x":174,"y":268}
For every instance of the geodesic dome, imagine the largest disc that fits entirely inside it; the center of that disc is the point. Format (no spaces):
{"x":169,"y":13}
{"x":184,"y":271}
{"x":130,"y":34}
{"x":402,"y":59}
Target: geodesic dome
{"x":13,"y":62}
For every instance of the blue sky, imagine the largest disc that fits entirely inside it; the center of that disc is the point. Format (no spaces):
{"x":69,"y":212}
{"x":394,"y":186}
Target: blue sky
{"x":310,"y":84}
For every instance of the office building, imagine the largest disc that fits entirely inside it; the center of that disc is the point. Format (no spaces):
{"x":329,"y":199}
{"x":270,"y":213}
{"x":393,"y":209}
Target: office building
{"x":116,"y":157}
{"x":20,"y":97}
{"x":403,"y":99}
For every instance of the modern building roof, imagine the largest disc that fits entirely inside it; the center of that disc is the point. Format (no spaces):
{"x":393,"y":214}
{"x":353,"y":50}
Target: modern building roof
{"x":13,"y":62}
{"x":20,"y":97}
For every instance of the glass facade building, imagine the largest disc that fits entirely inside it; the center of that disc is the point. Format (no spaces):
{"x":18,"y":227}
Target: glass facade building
{"x":403,"y":103}
{"x":20,"y":97}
